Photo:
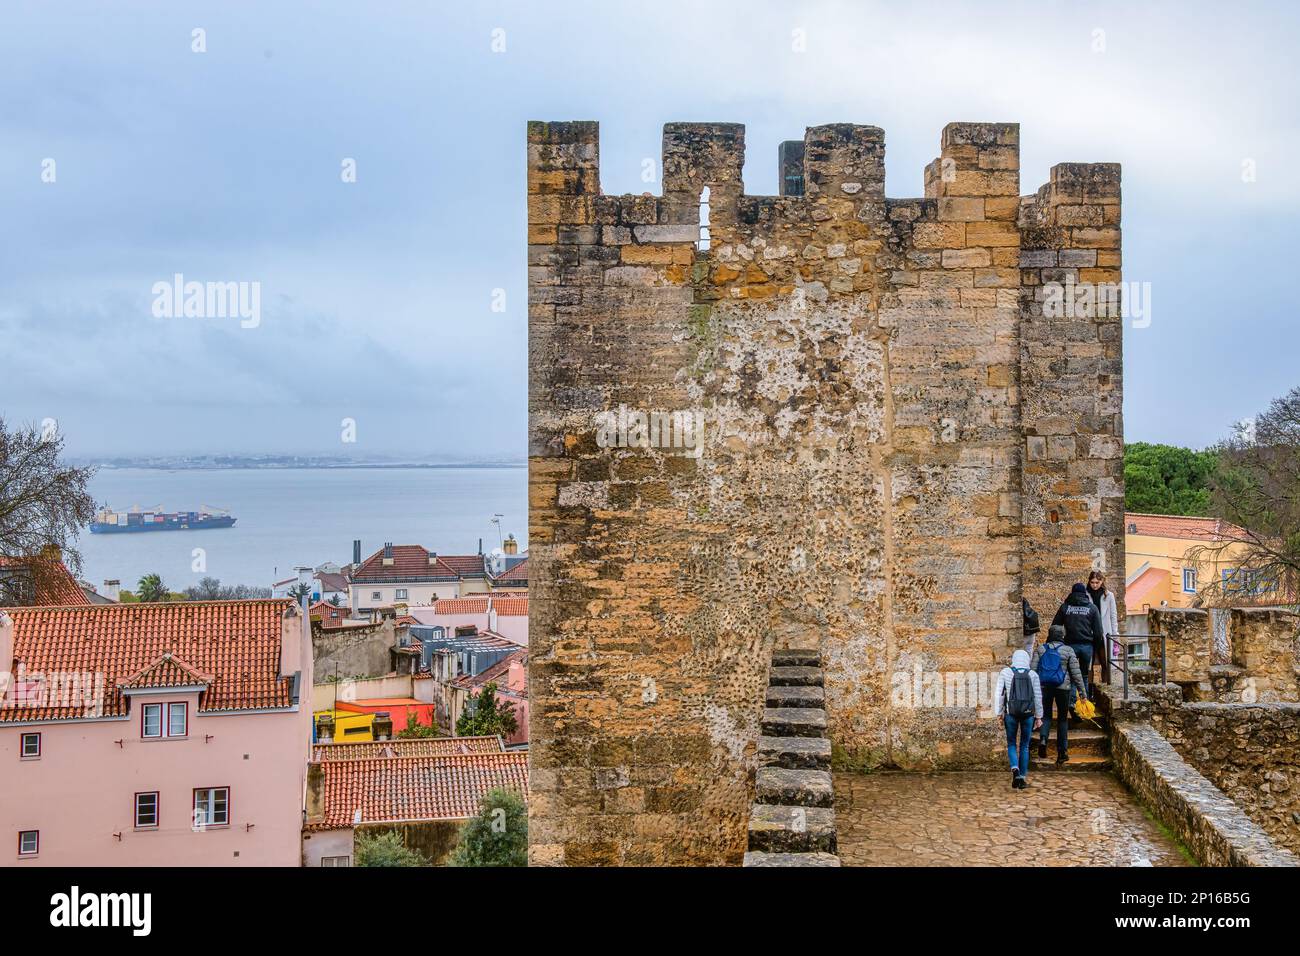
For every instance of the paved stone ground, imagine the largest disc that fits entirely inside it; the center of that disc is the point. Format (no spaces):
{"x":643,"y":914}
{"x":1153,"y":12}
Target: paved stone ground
{"x":976,"y":819}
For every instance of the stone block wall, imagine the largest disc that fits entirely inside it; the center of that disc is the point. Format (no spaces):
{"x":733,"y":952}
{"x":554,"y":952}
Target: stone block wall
{"x":861,"y":485}
{"x":1185,"y":638}
{"x":1249,"y":751}
{"x":1266,"y":645}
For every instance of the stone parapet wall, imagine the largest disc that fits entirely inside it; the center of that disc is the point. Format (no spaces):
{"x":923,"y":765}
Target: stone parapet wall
{"x":1266,"y":646}
{"x":1213,"y":828}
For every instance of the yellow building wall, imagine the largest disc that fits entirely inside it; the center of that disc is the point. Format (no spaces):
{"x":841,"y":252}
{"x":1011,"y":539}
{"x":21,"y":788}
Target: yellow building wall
{"x":1172,"y":556}
{"x":349,"y":726}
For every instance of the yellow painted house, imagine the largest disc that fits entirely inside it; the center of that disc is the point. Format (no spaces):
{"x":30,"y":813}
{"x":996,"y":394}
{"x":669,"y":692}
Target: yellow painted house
{"x":349,"y":726}
{"x":1163,"y":571}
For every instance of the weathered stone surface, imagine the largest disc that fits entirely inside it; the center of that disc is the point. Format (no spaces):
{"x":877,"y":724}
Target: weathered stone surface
{"x":794,"y":722}
{"x":796,"y":788}
{"x":795,"y":753}
{"x":775,"y":828}
{"x":796,"y":658}
{"x":869,"y":373}
{"x":757,"y":858}
{"x":795,"y":677}
{"x":797,"y":696}
{"x":1215,"y":829}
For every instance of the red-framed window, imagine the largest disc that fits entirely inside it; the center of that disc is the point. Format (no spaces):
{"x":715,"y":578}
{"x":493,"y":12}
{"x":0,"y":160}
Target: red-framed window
{"x":31,"y":746}
{"x":211,"y":807}
{"x":164,"y":720}
{"x":29,"y":842}
{"x":147,"y":806}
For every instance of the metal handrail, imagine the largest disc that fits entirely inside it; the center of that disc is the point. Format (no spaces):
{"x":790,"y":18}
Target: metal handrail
{"x":1123,"y":641}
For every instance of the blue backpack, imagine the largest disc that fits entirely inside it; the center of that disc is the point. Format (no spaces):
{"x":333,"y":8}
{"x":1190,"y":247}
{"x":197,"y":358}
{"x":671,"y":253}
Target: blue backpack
{"x":1051,"y":669}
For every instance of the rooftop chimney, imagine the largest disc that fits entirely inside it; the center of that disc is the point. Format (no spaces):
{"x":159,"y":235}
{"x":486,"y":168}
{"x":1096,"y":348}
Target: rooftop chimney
{"x":356,"y":551}
{"x":112,"y":589}
{"x":433,"y":558}
{"x":511,"y":546}
{"x":388,"y":554}
{"x":383,"y":726}
{"x":480,"y":545}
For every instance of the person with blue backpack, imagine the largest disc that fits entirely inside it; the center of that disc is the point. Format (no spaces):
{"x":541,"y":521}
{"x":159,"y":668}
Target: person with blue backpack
{"x":1057,"y":667}
{"x":1018,"y":700}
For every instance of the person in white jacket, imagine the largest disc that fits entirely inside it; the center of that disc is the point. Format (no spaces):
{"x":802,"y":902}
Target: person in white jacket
{"x":1018,"y":700}
{"x":1105,"y":602}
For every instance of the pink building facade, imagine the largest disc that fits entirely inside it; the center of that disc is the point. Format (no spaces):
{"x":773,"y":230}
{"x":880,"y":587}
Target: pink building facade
{"x":150,"y":735}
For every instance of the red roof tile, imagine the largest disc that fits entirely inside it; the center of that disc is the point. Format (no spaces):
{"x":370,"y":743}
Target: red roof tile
{"x":414,"y":747}
{"x":472,"y":605}
{"x":236,"y":642}
{"x":166,"y":671}
{"x":410,"y":562}
{"x":1178,"y":526}
{"x":55,"y":585}
{"x":464,"y":564}
{"x":510,"y":606}
{"x":518,"y":573}
{"x":391,"y":789}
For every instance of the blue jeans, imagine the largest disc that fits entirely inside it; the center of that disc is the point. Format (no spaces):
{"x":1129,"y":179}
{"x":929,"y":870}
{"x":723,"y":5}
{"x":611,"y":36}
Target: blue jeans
{"x":1084,"y":653}
{"x":1020,"y":730}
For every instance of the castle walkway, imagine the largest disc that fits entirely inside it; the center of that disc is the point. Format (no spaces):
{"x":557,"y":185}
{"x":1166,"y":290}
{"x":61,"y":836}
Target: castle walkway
{"x":975,"y":819}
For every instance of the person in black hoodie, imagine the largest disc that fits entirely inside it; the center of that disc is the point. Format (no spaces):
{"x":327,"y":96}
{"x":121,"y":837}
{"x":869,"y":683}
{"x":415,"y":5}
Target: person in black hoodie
{"x":1084,"y":631}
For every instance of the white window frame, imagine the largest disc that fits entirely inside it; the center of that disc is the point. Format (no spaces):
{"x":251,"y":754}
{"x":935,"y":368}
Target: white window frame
{"x":184,"y":708}
{"x":157,"y":808}
{"x":400,"y":594}
{"x":1194,"y":575}
{"x":336,"y":861}
{"x":209,"y":807}
{"x":376,"y":595}
{"x":22,"y":746}
{"x":36,"y":848}
{"x":145,"y":710}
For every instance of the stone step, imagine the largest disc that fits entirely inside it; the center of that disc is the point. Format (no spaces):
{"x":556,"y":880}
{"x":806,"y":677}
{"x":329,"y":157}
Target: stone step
{"x":795,"y":788}
{"x":758,"y":858}
{"x":776,"y":828}
{"x":1079,"y":744}
{"x":797,"y":658}
{"x":794,"y":722}
{"x":795,"y":753}
{"x":795,"y":676}
{"x":1078,"y":763}
{"x":796,"y":697}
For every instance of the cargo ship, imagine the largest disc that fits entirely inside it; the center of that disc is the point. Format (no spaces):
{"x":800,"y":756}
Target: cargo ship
{"x":109,"y":521}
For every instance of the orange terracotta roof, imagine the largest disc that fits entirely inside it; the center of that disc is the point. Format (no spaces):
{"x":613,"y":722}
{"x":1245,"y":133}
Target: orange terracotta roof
{"x":1136,"y":594}
{"x":1178,"y":526}
{"x":237,"y":643}
{"x":55,"y":585}
{"x":473,"y":605}
{"x":384,"y":789}
{"x":414,"y":747}
{"x":511,"y":606}
{"x":166,"y":671}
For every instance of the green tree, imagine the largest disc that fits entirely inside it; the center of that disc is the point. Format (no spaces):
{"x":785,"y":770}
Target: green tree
{"x":385,"y":849}
{"x":497,"y":836}
{"x":43,"y":507}
{"x":1256,"y":487}
{"x":151,"y":589}
{"x":1167,"y":480}
{"x":485,"y":716}
{"x":300,"y":591}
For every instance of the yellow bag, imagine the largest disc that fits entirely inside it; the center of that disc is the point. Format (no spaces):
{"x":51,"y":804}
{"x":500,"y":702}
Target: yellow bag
{"x":1085,"y":709}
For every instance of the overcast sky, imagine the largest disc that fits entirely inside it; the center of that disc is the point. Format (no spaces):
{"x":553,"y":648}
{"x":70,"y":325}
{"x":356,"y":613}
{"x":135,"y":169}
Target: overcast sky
{"x":376,"y":296}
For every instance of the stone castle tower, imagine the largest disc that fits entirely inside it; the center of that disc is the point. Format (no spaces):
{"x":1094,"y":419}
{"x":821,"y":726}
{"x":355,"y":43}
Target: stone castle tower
{"x":897,"y":444}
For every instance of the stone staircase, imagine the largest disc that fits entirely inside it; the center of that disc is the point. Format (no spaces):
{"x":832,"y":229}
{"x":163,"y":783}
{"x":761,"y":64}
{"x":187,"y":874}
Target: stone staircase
{"x":792,"y":821}
{"x":1089,"y":748}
